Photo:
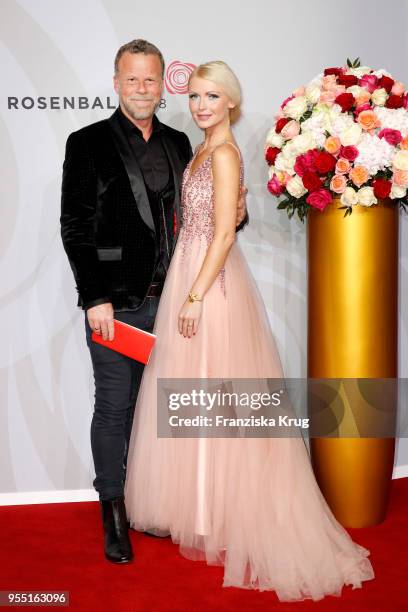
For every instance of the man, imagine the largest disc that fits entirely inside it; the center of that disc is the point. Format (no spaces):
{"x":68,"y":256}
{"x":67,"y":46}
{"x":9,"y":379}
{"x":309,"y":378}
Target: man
{"x":120,"y":215}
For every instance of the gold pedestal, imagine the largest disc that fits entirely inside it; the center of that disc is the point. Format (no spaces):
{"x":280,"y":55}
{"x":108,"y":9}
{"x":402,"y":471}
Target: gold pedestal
{"x":352,"y":333}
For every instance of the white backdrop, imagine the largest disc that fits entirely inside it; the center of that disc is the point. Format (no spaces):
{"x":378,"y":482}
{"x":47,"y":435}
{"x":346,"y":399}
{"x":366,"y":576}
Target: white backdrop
{"x":55,"y":49}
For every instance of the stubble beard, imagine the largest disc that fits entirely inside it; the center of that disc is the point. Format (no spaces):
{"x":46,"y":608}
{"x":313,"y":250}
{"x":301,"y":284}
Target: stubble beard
{"x":139,"y":115}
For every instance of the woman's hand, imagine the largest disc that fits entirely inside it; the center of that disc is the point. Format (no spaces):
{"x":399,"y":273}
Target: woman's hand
{"x":189,"y":318}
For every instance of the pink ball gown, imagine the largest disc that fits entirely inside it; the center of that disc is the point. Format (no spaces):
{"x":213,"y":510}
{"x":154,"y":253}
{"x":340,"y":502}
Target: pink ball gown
{"x":250,"y":504}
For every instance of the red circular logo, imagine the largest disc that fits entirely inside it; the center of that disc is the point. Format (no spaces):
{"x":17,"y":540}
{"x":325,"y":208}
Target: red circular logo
{"x":177,"y":75}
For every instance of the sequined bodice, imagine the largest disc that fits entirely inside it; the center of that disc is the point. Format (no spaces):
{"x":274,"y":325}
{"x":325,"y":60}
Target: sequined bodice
{"x":197,"y":201}
{"x":197,"y":208}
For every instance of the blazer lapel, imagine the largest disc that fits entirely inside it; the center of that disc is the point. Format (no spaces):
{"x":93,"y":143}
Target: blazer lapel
{"x":133,"y":171}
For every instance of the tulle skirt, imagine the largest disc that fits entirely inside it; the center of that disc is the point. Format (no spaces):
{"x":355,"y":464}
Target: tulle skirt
{"x":249,"y":504}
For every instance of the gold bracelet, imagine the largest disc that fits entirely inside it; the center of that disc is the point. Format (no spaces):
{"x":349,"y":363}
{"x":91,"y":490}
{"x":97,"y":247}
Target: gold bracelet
{"x":193,"y":297}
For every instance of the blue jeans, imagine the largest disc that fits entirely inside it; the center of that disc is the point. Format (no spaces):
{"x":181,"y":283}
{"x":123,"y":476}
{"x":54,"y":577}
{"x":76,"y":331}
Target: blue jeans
{"x":117,"y":382}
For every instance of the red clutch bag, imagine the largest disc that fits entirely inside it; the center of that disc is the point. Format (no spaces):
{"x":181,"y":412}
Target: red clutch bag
{"x":130,"y":341}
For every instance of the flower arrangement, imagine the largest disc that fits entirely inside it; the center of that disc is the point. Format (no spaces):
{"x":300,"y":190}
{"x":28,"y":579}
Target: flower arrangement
{"x":344,"y":135}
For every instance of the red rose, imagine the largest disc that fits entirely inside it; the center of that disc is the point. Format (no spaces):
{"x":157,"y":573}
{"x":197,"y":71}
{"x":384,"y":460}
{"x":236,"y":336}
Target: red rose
{"x":393,"y":137}
{"x":280,"y":124}
{"x":324,"y":162}
{"x":306,"y":162}
{"x":346,"y":101}
{"x":385,"y":82}
{"x":311,"y":181}
{"x":347,"y":79}
{"x":349,"y":152}
{"x":271,"y":154}
{"x":394,"y":102}
{"x":335,"y":71}
{"x":382,"y":188}
{"x":319,"y":199}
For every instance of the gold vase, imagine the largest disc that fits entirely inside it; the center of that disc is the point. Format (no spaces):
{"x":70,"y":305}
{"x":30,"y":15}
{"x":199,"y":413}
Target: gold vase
{"x":352,"y":333}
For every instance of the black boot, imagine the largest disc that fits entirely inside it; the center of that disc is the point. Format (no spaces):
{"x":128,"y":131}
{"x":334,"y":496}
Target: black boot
{"x":118,"y":548}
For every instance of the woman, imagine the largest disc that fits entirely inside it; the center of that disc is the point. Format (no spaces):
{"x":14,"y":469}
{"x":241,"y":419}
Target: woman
{"x":253,"y":504}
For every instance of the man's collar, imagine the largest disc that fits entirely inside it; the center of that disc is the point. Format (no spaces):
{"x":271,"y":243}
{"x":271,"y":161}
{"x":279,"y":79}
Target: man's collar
{"x":131,"y":127}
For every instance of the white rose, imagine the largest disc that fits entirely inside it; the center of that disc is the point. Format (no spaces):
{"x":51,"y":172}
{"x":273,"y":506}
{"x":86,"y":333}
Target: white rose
{"x":366,"y":196}
{"x":398,"y":192}
{"x":295,"y":108}
{"x":312,"y":93}
{"x":360,"y":71}
{"x":379,"y":97}
{"x":349,"y":197}
{"x":381,"y":72}
{"x":271,"y":171}
{"x":351,"y":135}
{"x":285,"y":162}
{"x":303,"y":142}
{"x":356,"y":90}
{"x":295,"y":187}
{"x":273,"y":139}
{"x":400,"y":160}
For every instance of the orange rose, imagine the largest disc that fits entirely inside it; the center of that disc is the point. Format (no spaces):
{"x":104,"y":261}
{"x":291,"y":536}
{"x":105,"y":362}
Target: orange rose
{"x":359,"y":175}
{"x":338,"y":183}
{"x":404,"y":143}
{"x":332,"y":144}
{"x":342,"y":166}
{"x":368,"y":120}
{"x":400,"y":177}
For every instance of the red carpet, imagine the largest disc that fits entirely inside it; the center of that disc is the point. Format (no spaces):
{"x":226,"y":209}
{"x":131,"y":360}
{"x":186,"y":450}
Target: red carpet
{"x":59,"y":547}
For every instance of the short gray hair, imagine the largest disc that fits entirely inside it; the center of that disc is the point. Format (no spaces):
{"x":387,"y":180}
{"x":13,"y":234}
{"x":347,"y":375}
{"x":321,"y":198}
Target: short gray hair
{"x":139,"y":46}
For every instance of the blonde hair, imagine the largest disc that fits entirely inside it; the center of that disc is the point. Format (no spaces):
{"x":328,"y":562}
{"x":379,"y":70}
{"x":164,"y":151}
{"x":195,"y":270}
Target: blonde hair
{"x":219,"y":72}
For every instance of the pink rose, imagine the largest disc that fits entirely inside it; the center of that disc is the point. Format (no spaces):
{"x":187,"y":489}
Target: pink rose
{"x":284,"y":103}
{"x":319,"y":199}
{"x":331,"y":91}
{"x":290,"y":130}
{"x":398,"y":88}
{"x":327,"y":97}
{"x":329,"y":81}
{"x":274,"y":186}
{"x":369,"y":82}
{"x":361,"y":107}
{"x":338,"y":183}
{"x":300,"y":91}
{"x":393,"y":137}
{"x":400,"y":177}
{"x":343,"y":166}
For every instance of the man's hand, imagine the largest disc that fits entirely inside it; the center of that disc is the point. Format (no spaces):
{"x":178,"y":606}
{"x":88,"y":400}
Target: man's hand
{"x":241,"y":209}
{"x":100,"y":319}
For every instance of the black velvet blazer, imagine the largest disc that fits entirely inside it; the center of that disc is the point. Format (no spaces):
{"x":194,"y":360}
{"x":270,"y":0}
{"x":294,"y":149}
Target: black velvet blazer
{"x":107,"y":226}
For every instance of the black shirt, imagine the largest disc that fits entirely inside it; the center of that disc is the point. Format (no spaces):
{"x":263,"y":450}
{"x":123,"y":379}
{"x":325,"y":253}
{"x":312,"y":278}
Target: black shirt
{"x":151,"y":155}
{"x":155,"y":167}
